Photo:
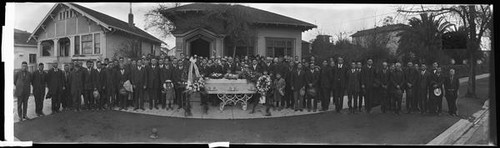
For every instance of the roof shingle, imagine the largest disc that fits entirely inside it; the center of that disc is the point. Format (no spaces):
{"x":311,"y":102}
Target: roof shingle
{"x":111,"y":21}
{"x":259,"y":16}
{"x":21,"y":38}
{"x":382,"y":29}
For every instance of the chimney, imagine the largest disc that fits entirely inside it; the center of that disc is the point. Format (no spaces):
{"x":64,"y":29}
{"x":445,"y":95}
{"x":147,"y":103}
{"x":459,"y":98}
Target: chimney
{"x":131,"y":17}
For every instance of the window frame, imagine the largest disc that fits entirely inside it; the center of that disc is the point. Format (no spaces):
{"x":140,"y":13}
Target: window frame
{"x":288,"y":44}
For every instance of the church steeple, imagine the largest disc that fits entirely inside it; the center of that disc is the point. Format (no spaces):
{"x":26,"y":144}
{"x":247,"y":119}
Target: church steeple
{"x":131,"y":17}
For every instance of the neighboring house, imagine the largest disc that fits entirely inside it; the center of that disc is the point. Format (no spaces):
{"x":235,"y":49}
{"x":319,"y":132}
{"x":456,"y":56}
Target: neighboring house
{"x":24,"y":51}
{"x":382,"y":36}
{"x":275,"y":34}
{"x":70,"y":32}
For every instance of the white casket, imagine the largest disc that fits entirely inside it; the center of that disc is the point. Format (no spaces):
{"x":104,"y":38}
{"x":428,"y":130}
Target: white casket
{"x":231,"y":91}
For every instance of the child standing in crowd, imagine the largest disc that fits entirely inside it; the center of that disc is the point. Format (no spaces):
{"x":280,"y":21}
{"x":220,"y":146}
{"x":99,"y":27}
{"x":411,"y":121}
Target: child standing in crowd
{"x":170,"y":93}
{"x":279,"y":90}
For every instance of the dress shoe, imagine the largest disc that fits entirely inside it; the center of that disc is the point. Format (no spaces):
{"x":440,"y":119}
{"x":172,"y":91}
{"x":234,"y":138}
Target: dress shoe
{"x":26,"y":118}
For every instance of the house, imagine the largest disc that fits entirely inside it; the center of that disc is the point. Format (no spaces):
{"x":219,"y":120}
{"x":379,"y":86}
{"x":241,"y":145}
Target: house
{"x":70,"y":32}
{"x":24,"y":50}
{"x":382,"y":36}
{"x":273,"y":34}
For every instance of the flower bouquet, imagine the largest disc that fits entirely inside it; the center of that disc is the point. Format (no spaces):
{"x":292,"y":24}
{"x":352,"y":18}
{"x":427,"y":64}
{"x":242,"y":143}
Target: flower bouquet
{"x":216,"y":76}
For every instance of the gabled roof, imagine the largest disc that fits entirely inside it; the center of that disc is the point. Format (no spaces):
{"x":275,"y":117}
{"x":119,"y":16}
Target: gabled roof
{"x":387,"y":28}
{"x":106,"y":21}
{"x":21,"y":38}
{"x":259,"y":16}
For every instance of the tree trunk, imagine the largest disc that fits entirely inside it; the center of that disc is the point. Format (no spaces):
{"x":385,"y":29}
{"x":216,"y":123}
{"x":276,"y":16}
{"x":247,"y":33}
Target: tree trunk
{"x":234,"y":51}
{"x":472,"y":45}
{"x":471,"y":89}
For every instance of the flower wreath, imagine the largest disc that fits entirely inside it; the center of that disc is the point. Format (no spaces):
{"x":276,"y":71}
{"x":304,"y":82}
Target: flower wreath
{"x":197,"y":85}
{"x":263,"y":84}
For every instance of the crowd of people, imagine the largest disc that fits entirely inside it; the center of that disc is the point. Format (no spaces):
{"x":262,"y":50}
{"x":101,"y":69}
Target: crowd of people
{"x":297,"y":84}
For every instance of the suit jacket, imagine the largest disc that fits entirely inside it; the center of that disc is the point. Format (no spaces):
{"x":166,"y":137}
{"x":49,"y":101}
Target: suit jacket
{"x":111,"y":77}
{"x":312,"y":77}
{"x":66,"y":84}
{"x":180,"y":76}
{"x":88,"y":79}
{"x":423,"y":80}
{"x":122,"y":78}
{"x":139,"y":77}
{"x":298,"y":80}
{"x":325,"y":76}
{"x":55,"y":81}
{"x":76,"y":81}
{"x":167,"y":73}
{"x":216,"y":68}
{"x":100,"y":79}
{"x":340,"y":77}
{"x":397,"y":79}
{"x":451,"y":85}
{"x":153,"y":77}
{"x":436,"y":80}
{"x":368,"y":76}
{"x":288,"y":75}
{"x":383,"y":78}
{"x":257,"y":68}
{"x":410,"y":76}
{"x":353,"y":82}
{"x":39,"y":82}
{"x":22,"y":81}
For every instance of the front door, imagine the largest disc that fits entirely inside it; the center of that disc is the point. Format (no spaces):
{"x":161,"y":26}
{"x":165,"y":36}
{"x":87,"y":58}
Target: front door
{"x":200,"y":47}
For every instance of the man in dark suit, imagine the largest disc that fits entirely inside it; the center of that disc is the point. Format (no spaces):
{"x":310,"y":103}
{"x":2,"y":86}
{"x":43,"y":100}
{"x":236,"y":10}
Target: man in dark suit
{"x":368,"y":76}
{"x":122,"y":77}
{"x":410,"y":75}
{"x":451,"y":85}
{"x":333,"y":68}
{"x":39,"y":82}
{"x":255,"y":66}
{"x":325,"y":76}
{"x":153,"y":84}
{"x":436,"y":101}
{"x":138,"y":80}
{"x":396,"y":87}
{"x":110,"y":85}
{"x":312,"y":78}
{"x":180,"y":80}
{"x":423,"y":88}
{"x":88,"y":85}
{"x":76,"y":85}
{"x":362,"y":92}
{"x":55,"y":81}
{"x":383,"y":81}
{"x":288,"y":99}
{"x":22,"y":80}
{"x":298,"y":85}
{"x":100,"y":85}
{"x":340,"y":83}
{"x":353,"y":87}
{"x":66,"y":94}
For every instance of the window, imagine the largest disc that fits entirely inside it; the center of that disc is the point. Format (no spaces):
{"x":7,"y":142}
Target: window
{"x":77,"y":44}
{"x":278,"y":47}
{"x":97,"y":44}
{"x":32,"y":58}
{"x":47,"y":48}
{"x":87,"y":44}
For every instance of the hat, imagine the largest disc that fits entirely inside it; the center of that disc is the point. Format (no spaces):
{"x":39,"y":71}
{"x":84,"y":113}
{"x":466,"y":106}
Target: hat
{"x":168,"y":81}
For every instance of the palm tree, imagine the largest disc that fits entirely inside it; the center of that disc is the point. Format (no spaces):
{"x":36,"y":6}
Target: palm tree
{"x":423,"y":37}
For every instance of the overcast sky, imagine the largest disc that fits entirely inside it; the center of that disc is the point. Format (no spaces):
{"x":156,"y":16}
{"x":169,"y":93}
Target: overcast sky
{"x":330,"y":18}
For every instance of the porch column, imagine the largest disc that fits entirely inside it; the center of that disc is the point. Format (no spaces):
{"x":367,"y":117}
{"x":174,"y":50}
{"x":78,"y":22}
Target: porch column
{"x":71,"y":46}
{"x":56,"y":47}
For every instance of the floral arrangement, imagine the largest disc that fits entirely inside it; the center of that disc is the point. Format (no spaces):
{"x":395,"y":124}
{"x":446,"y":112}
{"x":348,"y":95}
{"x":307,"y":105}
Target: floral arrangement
{"x":216,"y":75}
{"x":250,"y":76}
{"x":263,"y":84}
{"x":231,"y":76}
{"x":197,"y":85}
